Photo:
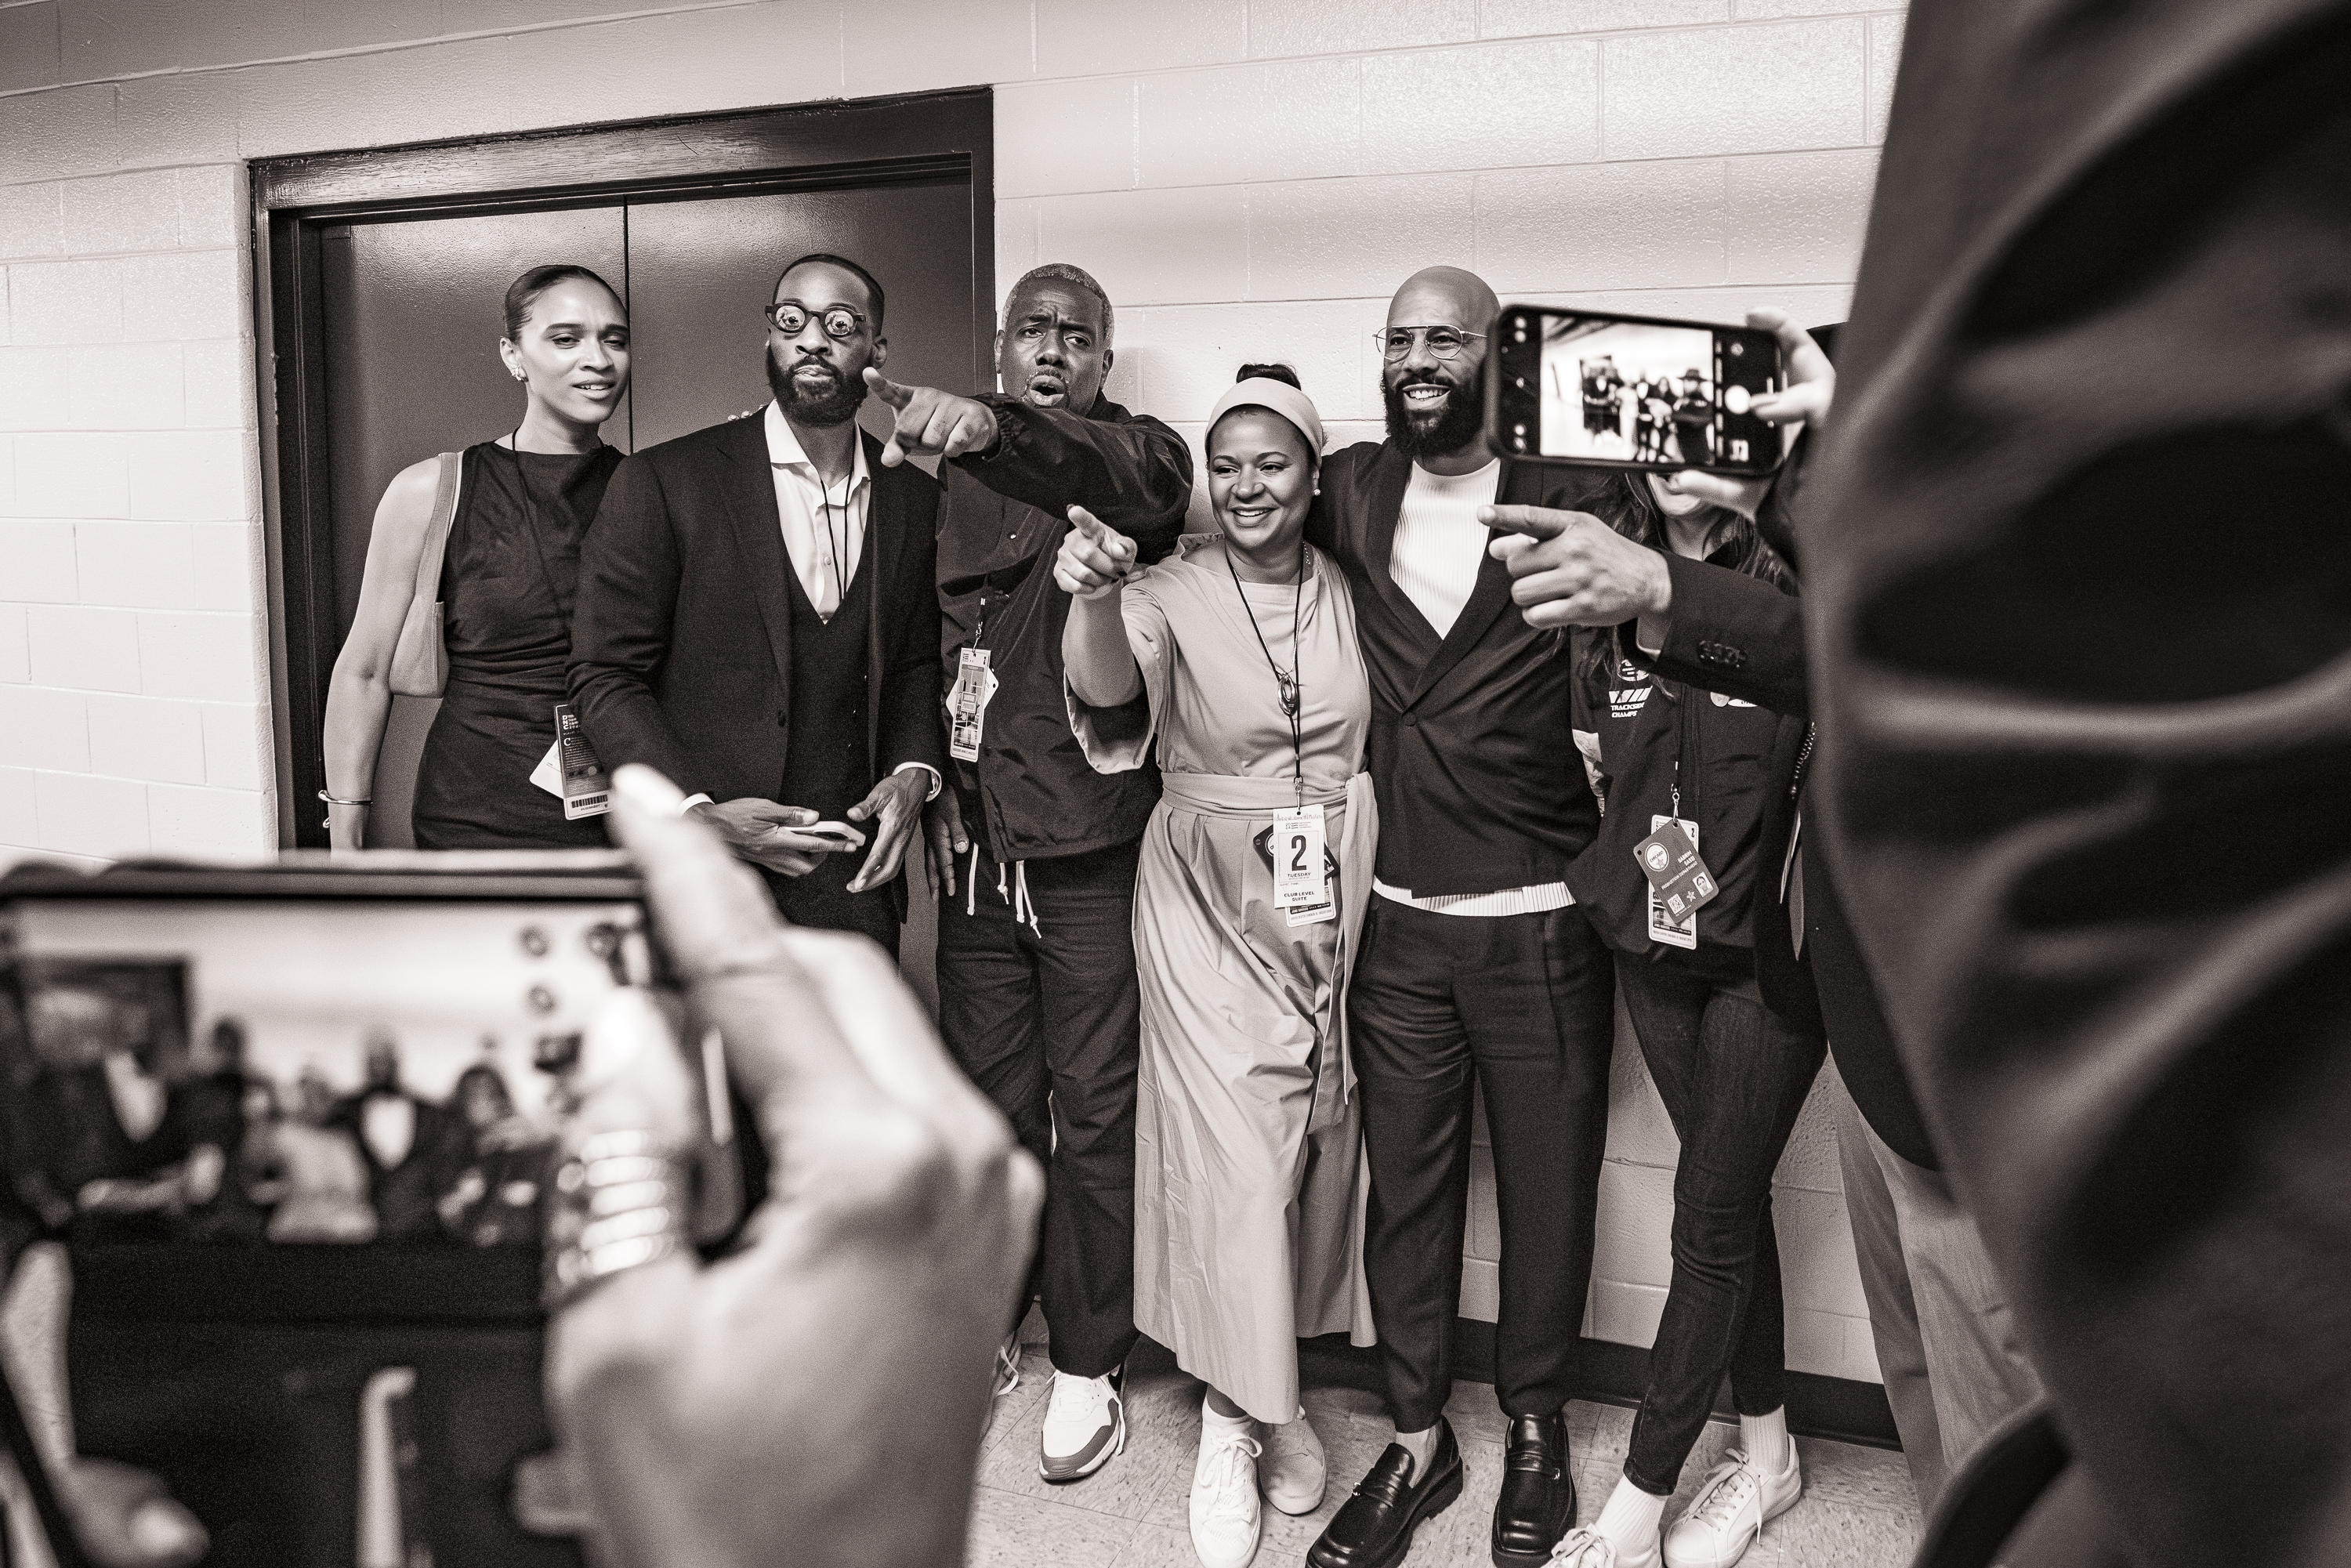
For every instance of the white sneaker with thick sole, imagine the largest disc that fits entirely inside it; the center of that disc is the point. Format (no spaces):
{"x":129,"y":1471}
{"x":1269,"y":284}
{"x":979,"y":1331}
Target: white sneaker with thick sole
{"x":1225,"y":1519}
{"x":1085,"y":1424}
{"x":1588,"y":1547}
{"x":1729,"y":1510}
{"x":1292,"y":1470}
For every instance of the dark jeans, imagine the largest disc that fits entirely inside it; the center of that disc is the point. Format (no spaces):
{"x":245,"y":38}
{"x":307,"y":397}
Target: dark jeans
{"x":1048,"y":1023}
{"x":1732,"y":1077}
{"x":1523,"y":1007}
{"x":822,"y":902}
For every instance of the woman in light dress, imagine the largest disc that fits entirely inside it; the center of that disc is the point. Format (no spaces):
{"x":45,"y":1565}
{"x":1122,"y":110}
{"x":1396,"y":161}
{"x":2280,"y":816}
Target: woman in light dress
{"x":1249,"y":1182}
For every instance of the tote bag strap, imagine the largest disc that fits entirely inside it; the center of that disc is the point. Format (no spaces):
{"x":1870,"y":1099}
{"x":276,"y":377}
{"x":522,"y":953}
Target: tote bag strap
{"x":436,"y":530}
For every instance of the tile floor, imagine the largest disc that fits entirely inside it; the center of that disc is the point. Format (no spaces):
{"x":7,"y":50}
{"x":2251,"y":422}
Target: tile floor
{"x":1857,"y":1511}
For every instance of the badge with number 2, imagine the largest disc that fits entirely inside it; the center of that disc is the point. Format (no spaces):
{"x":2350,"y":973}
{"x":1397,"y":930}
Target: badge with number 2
{"x":1302,"y":881}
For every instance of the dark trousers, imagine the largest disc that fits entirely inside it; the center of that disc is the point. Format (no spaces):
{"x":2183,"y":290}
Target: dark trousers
{"x":1732,"y":1077}
{"x":822,"y":902}
{"x":1522,"y":1007}
{"x":1047,"y":1022}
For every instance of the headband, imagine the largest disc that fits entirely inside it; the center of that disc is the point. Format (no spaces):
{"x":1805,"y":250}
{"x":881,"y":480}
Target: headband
{"x":1264,"y":392}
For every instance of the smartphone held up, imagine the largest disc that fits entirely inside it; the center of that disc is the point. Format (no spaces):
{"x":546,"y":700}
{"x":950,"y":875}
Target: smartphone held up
{"x":1593,"y":389}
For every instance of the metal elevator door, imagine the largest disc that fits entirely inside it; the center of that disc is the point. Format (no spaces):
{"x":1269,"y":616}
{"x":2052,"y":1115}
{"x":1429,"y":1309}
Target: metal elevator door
{"x":412,"y":324}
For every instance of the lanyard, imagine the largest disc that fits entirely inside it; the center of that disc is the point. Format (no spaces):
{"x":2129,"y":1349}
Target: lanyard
{"x":839,"y":542}
{"x":1286,"y":680}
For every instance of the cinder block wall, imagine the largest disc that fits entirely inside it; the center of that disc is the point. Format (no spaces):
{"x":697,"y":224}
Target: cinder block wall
{"x":1251,"y":179}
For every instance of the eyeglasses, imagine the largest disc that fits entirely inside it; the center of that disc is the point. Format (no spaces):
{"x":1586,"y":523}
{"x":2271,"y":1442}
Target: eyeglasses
{"x":790,"y":317}
{"x":1443,"y":342}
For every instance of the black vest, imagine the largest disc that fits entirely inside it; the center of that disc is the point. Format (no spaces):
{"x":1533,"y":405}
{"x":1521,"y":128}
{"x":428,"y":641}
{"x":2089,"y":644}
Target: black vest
{"x":826,"y":765}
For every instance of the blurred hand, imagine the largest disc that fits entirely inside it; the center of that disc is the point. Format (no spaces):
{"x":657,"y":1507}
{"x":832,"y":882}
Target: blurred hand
{"x":125,"y":1518}
{"x":1570,"y":569}
{"x":761,"y":832}
{"x":945,"y":841}
{"x":1094,"y":558}
{"x":1811,"y":389}
{"x":930,"y":423}
{"x":819,"y":1395}
{"x":897,"y":803}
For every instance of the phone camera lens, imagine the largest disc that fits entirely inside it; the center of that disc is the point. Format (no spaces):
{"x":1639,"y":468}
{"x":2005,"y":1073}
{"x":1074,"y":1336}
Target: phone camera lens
{"x":534,"y":941}
{"x":541,"y":999}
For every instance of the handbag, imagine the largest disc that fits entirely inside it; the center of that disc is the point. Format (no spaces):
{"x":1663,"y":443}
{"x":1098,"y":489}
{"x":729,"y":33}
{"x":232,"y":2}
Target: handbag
{"x":419,"y":659}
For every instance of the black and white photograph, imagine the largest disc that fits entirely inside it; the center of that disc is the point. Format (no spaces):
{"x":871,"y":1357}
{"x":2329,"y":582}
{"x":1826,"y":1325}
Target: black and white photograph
{"x":862,"y":782}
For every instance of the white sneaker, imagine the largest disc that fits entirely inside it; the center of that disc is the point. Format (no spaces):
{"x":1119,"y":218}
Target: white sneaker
{"x":1008,"y":1365}
{"x":1587,"y":1547}
{"x":1729,"y":1511}
{"x":1085,"y":1424}
{"x":1225,"y":1519}
{"x":1292,"y":1470}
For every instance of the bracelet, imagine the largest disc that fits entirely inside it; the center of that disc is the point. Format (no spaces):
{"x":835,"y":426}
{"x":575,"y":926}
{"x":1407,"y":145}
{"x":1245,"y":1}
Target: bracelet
{"x":338,"y":800}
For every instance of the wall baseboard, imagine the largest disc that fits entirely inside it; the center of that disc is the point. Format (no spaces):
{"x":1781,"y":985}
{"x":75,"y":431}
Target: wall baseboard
{"x":1836,"y":1407}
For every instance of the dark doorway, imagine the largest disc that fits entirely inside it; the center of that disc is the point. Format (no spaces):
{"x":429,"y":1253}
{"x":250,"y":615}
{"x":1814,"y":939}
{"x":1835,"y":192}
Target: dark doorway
{"x":385,"y":269}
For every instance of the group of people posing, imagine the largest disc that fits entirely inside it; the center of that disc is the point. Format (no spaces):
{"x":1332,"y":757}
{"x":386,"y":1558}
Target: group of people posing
{"x":1259,"y":852}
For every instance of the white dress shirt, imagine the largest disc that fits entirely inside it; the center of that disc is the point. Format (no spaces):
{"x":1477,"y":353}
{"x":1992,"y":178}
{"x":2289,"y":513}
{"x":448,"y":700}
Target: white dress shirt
{"x":824,"y":524}
{"x":1440,"y":546}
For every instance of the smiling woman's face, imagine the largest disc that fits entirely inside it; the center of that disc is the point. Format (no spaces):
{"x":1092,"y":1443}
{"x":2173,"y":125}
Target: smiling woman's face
{"x":1260,"y":482}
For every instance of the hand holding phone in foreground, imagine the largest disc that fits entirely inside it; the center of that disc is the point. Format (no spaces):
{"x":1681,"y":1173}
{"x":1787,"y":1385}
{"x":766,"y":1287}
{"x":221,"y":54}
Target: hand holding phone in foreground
{"x":1805,"y":401}
{"x":818,"y":1396}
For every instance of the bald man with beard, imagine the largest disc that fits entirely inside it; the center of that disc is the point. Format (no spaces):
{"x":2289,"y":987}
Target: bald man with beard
{"x":1476,"y":968}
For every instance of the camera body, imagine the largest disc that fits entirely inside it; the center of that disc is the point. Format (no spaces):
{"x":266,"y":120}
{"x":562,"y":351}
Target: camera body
{"x":297,"y":1122}
{"x":1593,"y":389}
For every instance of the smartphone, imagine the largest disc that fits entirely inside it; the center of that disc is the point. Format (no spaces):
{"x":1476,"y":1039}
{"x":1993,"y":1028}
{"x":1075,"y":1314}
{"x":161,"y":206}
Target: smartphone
{"x":841,"y":833}
{"x":1594,"y":389}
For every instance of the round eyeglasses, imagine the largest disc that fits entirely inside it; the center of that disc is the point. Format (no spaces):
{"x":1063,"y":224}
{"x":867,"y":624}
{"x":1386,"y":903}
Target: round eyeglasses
{"x":1443,"y":342}
{"x":790,"y":317}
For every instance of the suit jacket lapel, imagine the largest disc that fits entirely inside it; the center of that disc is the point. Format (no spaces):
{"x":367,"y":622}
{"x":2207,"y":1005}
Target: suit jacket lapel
{"x":1391,"y":472}
{"x":750,"y":492}
{"x":884,"y":539}
{"x":1488,"y":599}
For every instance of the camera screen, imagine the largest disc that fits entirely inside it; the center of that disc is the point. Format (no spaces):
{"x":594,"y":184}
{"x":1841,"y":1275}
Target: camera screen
{"x":1653,"y":392}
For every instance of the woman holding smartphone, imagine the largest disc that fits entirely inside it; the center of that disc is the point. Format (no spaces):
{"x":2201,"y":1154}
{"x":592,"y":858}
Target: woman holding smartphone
{"x":1255,"y":868}
{"x":524,"y":501}
{"x":1680,"y":770}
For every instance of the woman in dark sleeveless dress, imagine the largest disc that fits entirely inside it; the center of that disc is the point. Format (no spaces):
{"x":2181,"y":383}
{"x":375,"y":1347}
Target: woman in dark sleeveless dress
{"x":507,"y":583}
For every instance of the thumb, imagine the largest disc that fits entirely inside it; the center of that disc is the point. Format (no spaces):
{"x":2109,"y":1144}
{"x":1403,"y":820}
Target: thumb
{"x":885,"y":389}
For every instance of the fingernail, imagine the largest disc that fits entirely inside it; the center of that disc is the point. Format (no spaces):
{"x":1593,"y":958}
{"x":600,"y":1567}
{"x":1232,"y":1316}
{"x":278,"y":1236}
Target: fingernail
{"x":160,"y":1529}
{"x":648,"y":791}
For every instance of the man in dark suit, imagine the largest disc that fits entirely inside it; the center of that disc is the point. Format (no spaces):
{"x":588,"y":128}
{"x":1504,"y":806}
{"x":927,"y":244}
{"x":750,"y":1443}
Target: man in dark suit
{"x":757,"y":619}
{"x":1947,"y":1346}
{"x":1038,"y":994}
{"x":2081,"y":631}
{"x":1476,"y":968}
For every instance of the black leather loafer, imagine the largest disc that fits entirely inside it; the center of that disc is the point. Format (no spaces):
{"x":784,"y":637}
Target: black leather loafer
{"x":1538,"y":1501}
{"x":1374,"y":1528}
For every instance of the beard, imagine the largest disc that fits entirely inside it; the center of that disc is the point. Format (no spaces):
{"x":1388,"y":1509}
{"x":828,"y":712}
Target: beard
{"x":1451,"y":431}
{"x":836,"y":404}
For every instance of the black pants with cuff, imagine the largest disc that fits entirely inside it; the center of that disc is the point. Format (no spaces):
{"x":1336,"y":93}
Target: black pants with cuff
{"x":1733,"y":1078}
{"x":1522,"y":1007}
{"x":1047,"y":1019}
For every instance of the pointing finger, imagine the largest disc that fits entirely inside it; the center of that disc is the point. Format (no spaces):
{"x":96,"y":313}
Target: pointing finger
{"x":1536,"y":522}
{"x":888,"y":391}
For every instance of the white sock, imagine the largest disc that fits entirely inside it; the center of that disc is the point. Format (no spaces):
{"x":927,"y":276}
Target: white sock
{"x":1632,"y":1517}
{"x":1765,"y":1439}
{"x":1211,"y":1422}
{"x":1421,"y":1445}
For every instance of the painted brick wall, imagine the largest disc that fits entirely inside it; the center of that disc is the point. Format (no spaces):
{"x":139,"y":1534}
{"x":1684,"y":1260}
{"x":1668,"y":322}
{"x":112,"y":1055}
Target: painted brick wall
{"x":1249,"y":178}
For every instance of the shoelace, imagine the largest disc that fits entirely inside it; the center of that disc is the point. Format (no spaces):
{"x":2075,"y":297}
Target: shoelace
{"x":1075,"y":1396}
{"x":1228,"y":1470}
{"x":1572,"y":1548}
{"x":1735,"y":1484}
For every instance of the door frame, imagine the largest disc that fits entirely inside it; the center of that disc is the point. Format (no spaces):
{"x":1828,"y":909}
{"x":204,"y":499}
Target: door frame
{"x":821,"y":146}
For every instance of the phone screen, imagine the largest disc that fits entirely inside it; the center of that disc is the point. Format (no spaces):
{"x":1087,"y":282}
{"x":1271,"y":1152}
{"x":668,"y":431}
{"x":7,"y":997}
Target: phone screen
{"x":1596,"y":389}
